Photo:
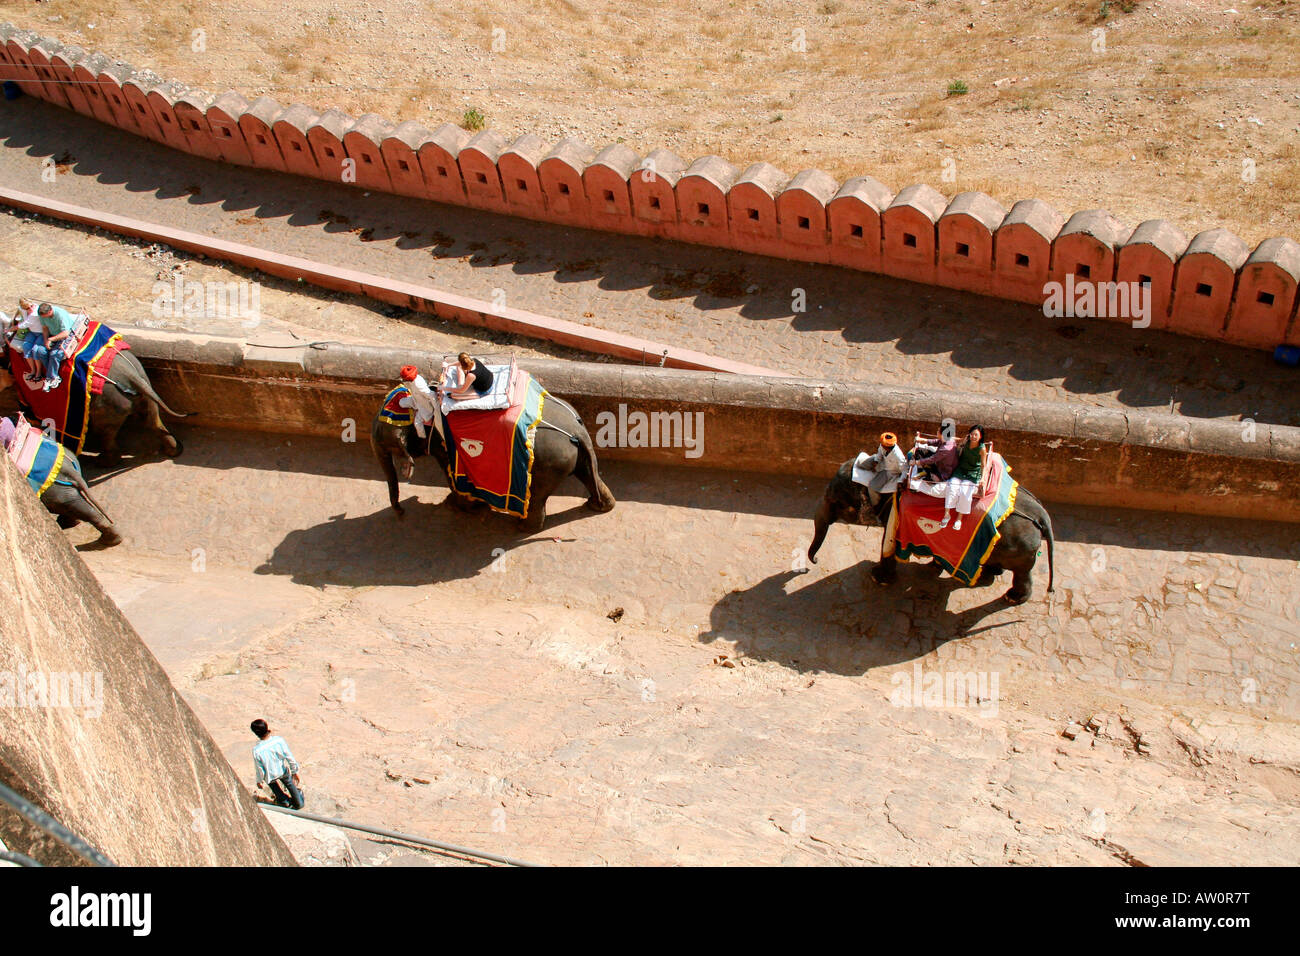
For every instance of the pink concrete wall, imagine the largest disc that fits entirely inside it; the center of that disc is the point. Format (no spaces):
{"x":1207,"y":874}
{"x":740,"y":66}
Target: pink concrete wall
{"x":702,"y":201}
{"x":1204,"y":283}
{"x":965,"y":241}
{"x":854,"y":216}
{"x":1206,"y":288}
{"x":1264,"y":309}
{"x":1149,"y":256}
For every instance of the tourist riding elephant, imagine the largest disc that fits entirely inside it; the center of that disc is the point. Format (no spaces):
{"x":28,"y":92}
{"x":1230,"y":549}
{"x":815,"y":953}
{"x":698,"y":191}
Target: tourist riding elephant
{"x":556,"y":456}
{"x":1023,"y":532}
{"x":126,"y":390}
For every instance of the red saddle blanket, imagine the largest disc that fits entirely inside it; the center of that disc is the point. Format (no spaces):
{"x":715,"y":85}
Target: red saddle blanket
{"x":82,"y":375}
{"x":961,"y":553}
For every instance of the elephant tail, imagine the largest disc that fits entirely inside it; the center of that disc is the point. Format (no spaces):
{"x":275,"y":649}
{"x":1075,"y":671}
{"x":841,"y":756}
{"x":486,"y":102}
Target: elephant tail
{"x":137,"y":383}
{"x":84,"y":490}
{"x":1044,"y":525}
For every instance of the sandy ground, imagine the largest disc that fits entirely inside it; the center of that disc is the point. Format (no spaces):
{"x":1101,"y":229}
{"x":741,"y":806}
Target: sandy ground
{"x":715,"y":703}
{"x":1160,"y":115}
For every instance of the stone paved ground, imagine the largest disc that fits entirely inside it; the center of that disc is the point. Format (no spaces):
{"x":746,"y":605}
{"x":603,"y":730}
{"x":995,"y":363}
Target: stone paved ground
{"x":446,"y":676}
{"x":856,"y":327}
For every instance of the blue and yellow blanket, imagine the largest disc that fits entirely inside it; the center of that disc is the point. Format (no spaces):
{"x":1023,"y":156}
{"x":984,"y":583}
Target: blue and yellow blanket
{"x":42,"y":461}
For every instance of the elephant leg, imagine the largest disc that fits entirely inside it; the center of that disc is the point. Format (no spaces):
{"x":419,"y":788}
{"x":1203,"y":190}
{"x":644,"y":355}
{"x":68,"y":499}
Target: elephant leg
{"x":599,"y":498}
{"x":536,"y":517}
{"x":71,"y":508}
{"x":68,"y":521}
{"x":1022,"y":586}
{"x":885,"y":572}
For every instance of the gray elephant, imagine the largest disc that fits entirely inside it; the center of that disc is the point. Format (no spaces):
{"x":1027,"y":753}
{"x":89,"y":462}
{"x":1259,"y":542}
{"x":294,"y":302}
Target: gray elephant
{"x":561,"y":447}
{"x":126,"y":390}
{"x":1023,"y":533}
{"x":68,"y":497}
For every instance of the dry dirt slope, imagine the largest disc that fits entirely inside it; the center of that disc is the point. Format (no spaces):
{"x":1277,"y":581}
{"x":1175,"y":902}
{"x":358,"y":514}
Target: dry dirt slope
{"x":1155,"y":116}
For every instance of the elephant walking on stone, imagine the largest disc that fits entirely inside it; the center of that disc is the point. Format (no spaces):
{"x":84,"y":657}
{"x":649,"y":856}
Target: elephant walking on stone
{"x":1023,"y":533}
{"x":561,"y":447}
{"x":68,"y":496}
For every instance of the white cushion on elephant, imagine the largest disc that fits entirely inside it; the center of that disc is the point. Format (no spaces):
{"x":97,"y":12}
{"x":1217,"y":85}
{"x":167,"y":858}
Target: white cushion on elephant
{"x":497,"y":397}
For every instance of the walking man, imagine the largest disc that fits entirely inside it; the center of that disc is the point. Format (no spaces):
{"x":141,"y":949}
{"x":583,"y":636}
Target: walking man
{"x":276,"y":768}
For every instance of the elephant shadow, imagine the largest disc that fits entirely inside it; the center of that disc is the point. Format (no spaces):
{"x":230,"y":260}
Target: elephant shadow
{"x":845,"y":623}
{"x":433,"y":543}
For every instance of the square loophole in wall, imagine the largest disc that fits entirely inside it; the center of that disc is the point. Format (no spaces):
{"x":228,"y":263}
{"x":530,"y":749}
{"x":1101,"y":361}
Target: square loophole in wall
{"x":329,"y":152}
{"x":1264,"y":298}
{"x":804,"y":222}
{"x":909,"y":240}
{"x":753,"y":214}
{"x":855,"y":231}
{"x":1144,"y":280}
{"x":963,"y":249}
{"x":481,"y":177}
{"x":403,"y":165}
{"x":1083,"y":271}
{"x":609,"y":196}
{"x":442,"y":171}
{"x":1022,"y":260}
{"x":654,"y":202}
{"x":1204,"y":288}
{"x":564,"y":189}
{"x":522,"y":184}
{"x":702,"y":208}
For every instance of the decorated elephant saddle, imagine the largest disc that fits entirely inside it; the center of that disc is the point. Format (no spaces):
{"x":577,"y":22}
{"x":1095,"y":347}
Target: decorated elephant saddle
{"x":83,"y":374}
{"x":915,"y":525}
{"x":42,"y":461}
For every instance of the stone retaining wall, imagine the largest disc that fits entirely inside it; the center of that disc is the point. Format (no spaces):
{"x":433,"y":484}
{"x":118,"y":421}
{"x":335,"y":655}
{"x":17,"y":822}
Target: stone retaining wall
{"x":1064,"y":453}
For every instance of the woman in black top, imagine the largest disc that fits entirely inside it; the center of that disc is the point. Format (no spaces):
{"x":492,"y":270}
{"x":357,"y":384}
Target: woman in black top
{"x":477,"y":378}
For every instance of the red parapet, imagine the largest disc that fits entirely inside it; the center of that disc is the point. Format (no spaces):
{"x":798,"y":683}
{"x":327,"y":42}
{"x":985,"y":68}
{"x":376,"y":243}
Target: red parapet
{"x":191,"y":108}
{"x":854,"y":217}
{"x":560,"y":174}
{"x":517,"y":167}
{"x":907,"y":248}
{"x":1022,"y":251}
{"x":161,"y":99}
{"x":326,"y":139}
{"x":223,"y":120}
{"x":440,"y":166}
{"x":399,"y":151}
{"x":257,"y":123}
{"x":702,"y":201}
{"x":801,"y":216}
{"x":1264,"y":308}
{"x":605,"y":184}
{"x":1149,"y":258}
{"x":478,"y":170}
{"x":135,"y":90}
{"x":290,"y":131}
{"x":1204,"y":282}
{"x":965,"y":236}
{"x":1083,"y":256}
{"x":653,"y":192}
{"x":86,"y":74}
{"x":751,"y":210}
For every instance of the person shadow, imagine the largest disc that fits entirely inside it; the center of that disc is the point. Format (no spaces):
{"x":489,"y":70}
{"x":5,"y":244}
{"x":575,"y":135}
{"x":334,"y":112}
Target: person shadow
{"x":845,"y":623}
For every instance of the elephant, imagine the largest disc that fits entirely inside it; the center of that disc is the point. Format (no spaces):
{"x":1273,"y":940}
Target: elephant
{"x":1023,"y":533}
{"x":68,"y":497}
{"x":127,"y":389}
{"x":556,"y":456}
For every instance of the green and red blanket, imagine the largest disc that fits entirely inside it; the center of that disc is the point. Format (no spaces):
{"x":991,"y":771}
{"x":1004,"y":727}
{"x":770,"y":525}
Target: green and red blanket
{"x":491,"y":451}
{"x":962,"y":553}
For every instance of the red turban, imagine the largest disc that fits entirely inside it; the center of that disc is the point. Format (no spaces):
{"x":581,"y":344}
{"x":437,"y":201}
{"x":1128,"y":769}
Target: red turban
{"x":409,"y":372}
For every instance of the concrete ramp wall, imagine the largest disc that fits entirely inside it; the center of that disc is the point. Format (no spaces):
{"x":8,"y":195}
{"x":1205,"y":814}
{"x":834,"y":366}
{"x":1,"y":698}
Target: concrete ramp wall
{"x":91,"y":729}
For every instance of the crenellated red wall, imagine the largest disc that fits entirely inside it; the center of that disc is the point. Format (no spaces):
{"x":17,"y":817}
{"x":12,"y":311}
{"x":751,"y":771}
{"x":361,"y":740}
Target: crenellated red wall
{"x":1213,"y":287}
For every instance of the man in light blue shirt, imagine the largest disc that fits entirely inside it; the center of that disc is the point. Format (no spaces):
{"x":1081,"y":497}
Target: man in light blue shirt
{"x":276,"y":768}
{"x":57,"y":325}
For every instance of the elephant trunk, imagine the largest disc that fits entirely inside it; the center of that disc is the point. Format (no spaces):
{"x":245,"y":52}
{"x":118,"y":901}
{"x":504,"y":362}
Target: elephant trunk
{"x":822,"y":520}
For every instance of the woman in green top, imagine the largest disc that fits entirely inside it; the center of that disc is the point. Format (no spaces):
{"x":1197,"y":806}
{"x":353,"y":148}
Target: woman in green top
{"x":967,"y":481}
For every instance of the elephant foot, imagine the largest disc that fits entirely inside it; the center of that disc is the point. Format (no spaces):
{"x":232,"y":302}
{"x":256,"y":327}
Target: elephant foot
{"x":1014,"y":599}
{"x":108,"y":538}
{"x":401,"y":512}
{"x":601,"y":505}
{"x":172,"y":446}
